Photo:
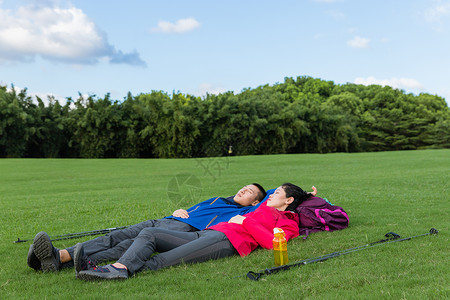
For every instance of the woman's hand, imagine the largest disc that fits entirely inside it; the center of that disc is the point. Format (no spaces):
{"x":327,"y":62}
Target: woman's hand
{"x":181,"y":213}
{"x":314,"y":192}
{"x":237,"y":219}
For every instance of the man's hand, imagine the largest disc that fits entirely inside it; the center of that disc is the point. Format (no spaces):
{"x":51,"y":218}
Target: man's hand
{"x":314,"y":192}
{"x":181,"y":213}
{"x":237,"y":219}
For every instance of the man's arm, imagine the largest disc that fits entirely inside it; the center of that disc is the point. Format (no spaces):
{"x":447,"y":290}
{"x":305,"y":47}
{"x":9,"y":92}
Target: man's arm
{"x":184,"y":214}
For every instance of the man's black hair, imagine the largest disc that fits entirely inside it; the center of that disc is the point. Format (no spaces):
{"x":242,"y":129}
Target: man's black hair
{"x":262,"y":191}
{"x":299,"y":195}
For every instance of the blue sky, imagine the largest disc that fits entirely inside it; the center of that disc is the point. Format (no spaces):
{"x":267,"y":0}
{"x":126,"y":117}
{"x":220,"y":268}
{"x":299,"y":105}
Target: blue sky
{"x":94,"y":47}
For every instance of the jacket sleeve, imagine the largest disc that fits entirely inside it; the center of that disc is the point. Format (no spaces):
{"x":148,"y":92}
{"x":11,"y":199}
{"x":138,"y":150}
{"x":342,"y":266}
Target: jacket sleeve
{"x":289,"y":226}
{"x":259,"y":232}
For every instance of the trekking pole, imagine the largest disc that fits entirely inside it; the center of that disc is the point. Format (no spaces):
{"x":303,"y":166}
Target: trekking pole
{"x":391,"y":238}
{"x":76,"y":234}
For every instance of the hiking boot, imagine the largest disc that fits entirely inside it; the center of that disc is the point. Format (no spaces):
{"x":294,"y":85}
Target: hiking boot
{"x":81,"y":260}
{"x":108,"y":272}
{"x":46,"y":253}
{"x":32,"y":260}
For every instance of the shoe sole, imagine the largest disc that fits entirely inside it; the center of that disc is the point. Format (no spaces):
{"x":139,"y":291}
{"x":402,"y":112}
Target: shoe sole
{"x":43,"y":250}
{"x":76,"y":258}
{"x":32,"y":260}
{"x":93,"y":277}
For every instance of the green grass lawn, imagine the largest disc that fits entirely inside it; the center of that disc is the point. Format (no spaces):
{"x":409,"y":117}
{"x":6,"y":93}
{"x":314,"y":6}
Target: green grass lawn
{"x":405,"y":192}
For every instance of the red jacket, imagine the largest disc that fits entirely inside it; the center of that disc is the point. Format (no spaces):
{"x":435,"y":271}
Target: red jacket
{"x":257,"y":228}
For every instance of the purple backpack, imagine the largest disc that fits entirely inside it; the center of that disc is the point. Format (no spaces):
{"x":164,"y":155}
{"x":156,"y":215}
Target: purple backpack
{"x":317,"y":214}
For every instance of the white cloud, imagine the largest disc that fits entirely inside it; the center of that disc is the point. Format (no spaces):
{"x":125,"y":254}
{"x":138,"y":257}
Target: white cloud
{"x":336,"y":14}
{"x":325,"y":1}
{"x":444,"y":93}
{"x":56,"y":34}
{"x":397,"y":83}
{"x":10,"y":88}
{"x":437,"y":12}
{"x":180,"y":26}
{"x":358,"y":42}
{"x":44,"y":96}
{"x":205,"y":88}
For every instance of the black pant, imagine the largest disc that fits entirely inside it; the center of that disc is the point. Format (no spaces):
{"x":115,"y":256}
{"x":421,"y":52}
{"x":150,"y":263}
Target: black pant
{"x":174,"y":247}
{"x":113,"y":245}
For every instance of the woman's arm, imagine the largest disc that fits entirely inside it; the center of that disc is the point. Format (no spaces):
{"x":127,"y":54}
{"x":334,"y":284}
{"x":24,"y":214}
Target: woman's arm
{"x":264,"y":234}
{"x":238,"y":219}
{"x":289,"y":226}
{"x":259,"y":232}
{"x":314,"y":192}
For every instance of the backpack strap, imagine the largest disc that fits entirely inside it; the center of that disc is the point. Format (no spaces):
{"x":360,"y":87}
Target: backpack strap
{"x":329,"y":211}
{"x":307,"y":230}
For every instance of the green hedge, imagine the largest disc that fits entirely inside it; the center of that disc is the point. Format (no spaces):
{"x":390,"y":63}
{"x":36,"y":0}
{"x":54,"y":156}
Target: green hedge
{"x":302,"y":115}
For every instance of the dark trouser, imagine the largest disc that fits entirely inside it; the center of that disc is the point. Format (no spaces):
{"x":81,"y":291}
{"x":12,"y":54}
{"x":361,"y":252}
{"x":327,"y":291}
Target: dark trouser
{"x":174,"y":247}
{"x":113,"y":245}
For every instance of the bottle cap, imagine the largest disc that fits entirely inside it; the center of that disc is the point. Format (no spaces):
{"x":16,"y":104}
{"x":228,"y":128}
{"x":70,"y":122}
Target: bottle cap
{"x":277,"y":230}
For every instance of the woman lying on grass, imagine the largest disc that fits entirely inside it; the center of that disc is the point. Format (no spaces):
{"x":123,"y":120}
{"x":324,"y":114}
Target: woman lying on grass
{"x":240,"y":235}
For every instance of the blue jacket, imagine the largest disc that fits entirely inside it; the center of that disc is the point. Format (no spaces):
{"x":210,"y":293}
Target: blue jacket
{"x":216,"y":210}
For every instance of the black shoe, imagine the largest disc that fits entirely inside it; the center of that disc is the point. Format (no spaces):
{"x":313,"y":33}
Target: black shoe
{"x":108,"y":272}
{"x":32,"y":260}
{"x":46,"y":253}
{"x":81,"y":260}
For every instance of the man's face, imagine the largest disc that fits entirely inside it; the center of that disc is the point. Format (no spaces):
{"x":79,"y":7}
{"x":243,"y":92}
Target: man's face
{"x":247,"y":195}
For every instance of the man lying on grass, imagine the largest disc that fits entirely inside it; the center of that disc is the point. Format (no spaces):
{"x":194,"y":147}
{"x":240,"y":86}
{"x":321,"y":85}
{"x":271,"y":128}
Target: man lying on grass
{"x":240,"y":235}
{"x":43,"y":256}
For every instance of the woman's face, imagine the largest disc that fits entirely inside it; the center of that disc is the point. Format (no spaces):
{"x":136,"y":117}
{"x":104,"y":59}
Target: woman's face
{"x":278,"y":199}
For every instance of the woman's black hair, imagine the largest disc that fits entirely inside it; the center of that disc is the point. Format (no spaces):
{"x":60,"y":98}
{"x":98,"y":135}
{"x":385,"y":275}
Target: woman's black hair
{"x":299,"y":195}
{"x":261,"y":190}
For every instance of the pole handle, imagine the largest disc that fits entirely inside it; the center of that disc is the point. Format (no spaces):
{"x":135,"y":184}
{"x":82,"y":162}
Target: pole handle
{"x":434,"y":231}
{"x":254,"y":276}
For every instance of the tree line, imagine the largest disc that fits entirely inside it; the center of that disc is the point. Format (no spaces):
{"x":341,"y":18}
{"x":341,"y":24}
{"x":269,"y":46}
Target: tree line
{"x":300,"y":115}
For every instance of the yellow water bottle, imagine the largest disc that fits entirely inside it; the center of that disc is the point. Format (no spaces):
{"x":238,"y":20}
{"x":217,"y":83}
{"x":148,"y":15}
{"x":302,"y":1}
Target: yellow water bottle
{"x":279,"y":247}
